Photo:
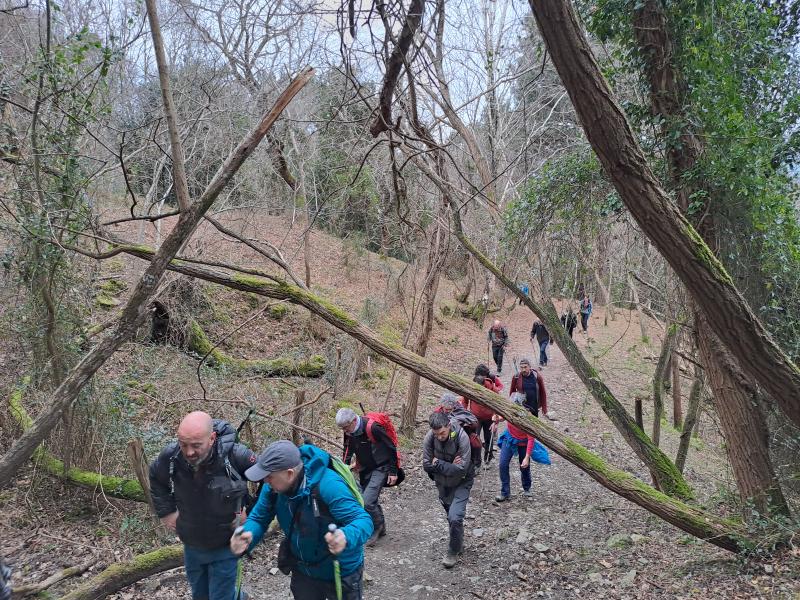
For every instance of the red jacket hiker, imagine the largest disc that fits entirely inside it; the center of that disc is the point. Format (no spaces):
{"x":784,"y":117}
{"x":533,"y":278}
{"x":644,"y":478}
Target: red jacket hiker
{"x":481,"y":412}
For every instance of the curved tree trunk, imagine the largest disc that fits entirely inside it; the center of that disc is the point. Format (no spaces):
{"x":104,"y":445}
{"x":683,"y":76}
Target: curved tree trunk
{"x":610,"y":135}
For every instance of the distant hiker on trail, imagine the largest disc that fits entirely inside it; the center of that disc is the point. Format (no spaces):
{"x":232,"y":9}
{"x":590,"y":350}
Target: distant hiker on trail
{"x":376,"y":462}
{"x":323,"y":521}
{"x":542,"y":336}
{"x":586,"y":311}
{"x":525,"y":289}
{"x":446,"y":458}
{"x":498,"y":338}
{"x":483,"y":413}
{"x":199,"y":490}
{"x":569,"y":321}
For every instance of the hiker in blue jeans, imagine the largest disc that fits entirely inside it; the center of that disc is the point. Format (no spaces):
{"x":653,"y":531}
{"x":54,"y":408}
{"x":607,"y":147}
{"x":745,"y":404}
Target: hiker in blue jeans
{"x":586,"y":312}
{"x":542,"y":336}
{"x":199,"y":490}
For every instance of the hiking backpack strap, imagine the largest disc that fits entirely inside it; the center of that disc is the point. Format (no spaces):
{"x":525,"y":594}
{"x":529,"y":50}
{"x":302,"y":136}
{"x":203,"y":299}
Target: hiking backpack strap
{"x":172,"y":471}
{"x":368,"y":428}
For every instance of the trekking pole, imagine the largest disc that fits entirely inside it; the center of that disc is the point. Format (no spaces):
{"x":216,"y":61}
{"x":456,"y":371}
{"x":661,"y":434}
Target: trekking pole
{"x":486,"y":464}
{"x":238,"y":531}
{"x":337,"y":570}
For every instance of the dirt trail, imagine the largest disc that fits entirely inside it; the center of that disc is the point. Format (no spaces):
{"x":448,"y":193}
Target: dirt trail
{"x":573,"y":539}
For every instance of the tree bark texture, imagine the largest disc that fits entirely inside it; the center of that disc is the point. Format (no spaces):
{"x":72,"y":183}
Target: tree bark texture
{"x":136,"y":310}
{"x":736,"y":404}
{"x":611,"y":137}
{"x":720,"y":532}
{"x":667,"y":96}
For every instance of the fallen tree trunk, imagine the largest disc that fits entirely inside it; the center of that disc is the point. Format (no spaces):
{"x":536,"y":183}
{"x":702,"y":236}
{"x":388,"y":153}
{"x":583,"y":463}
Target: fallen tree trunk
{"x":136,"y":309}
{"x":116,"y":487}
{"x":608,"y":131}
{"x":665,"y":475}
{"x":120,"y":575}
{"x":22,"y":591}
{"x":275,"y":367}
{"x":724,"y":533}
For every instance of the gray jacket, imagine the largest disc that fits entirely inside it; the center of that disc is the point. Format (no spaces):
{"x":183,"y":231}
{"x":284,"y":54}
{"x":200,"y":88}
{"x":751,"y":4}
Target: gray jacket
{"x":445,"y":473}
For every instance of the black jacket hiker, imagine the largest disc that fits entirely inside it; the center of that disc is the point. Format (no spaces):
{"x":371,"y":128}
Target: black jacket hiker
{"x":208,"y":498}
{"x":380,"y":455}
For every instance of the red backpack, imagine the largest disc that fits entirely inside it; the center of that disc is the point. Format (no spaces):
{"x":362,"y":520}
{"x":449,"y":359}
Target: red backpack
{"x":385,"y":421}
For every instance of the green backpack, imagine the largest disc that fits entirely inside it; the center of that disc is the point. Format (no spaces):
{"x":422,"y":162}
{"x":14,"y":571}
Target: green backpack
{"x":345,"y":473}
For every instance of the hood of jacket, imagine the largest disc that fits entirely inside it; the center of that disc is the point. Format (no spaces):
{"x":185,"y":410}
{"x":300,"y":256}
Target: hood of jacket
{"x":226,"y":436}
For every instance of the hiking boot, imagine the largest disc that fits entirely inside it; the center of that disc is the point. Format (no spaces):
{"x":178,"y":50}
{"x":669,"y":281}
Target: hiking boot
{"x":527,"y":494}
{"x":500,"y":498}
{"x":450,"y":559}
{"x":378,"y":533}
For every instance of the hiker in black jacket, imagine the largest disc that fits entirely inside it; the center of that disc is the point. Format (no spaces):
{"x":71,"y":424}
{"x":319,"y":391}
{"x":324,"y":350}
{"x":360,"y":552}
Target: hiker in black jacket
{"x":199,"y":490}
{"x":376,"y":462}
{"x":542,"y":336}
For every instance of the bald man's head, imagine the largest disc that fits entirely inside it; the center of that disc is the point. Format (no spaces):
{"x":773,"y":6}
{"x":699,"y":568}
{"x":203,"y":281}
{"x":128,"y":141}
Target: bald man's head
{"x":497,"y":323}
{"x":196,"y":437}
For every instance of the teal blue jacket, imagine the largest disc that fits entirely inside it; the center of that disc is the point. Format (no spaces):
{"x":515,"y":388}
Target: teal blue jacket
{"x":306,"y":527}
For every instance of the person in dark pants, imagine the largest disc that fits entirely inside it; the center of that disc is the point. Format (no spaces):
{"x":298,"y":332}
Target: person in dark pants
{"x":542,"y":336}
{"x":569,"y":321}
{"x":376,"y":463}
{"x":446,"y":458}
{"x":199,"y":489}
{"x":306,"y":497}
{"x":586,"y":312}
{"x":498,"y":338}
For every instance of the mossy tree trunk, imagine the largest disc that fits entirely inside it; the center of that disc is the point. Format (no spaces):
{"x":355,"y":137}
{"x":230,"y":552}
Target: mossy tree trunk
{"x":611,"y":137}
{"x":665,"y":475}
{"x":136,"y":310}
{"x":123,"y":574}
{"x":742,"y":420}
{"x":735,"y":399}
{"x":720,"y":532}
{"x":116,"y":487}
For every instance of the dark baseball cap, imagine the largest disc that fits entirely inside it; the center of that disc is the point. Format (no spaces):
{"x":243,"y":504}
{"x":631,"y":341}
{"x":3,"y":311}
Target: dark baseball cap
{"x":278,"y":456}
